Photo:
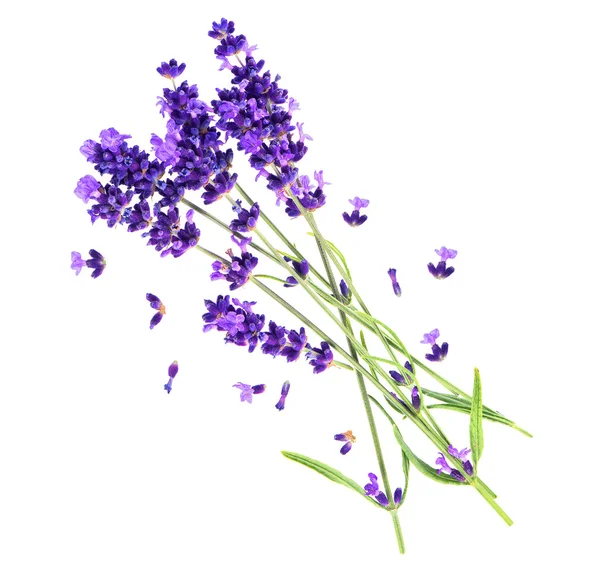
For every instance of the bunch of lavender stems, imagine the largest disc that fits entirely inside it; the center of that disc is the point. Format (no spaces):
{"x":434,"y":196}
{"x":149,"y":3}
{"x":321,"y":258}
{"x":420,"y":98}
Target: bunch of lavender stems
{"x":257,"y":114}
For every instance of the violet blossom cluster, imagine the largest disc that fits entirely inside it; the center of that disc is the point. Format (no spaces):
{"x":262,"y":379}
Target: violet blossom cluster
{"x":257,"y":113}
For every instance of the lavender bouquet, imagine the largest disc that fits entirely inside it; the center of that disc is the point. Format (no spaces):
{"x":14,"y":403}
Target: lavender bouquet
{"x":189,"y":177}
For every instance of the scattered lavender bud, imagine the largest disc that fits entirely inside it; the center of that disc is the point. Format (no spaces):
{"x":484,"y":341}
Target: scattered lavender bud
{"x":395,"y":285}
{"x":355,"y":219}
{"x":156,"y":303}
{"x":441,"y":271}
{"x":416,"y":399}
{"x":173,"y":369}
{"x":247,"y":391}
{"x":96,"y":262}
{"x":348,"y":437}
{"x":398,"y":496}
{"x":285,"y":389}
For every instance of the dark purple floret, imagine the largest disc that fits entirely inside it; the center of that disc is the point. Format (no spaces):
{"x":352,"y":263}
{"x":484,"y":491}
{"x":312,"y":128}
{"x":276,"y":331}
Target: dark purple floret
{"x":240,"y":269}
{"x":416,"y":399}
{"x":354,"y":219}
{"x":216,"y":311}
{"x":395,"y":285}
{"x":139,"y":217}
{"x":285,"y":389}
{"x":286,"y":178}
{"x":398,"y":496}
{"x":173,"y":369}
{"x":170,"y":70}
{"x":438,"y":352}
{"x":156,"y":303}
{"x":344,"y":290}
{"x":246,"y":219}
{"x":302,"y":269}
{"x":96,"y":262}
{"x":311,"y":201}
{"x":372,"y":489}
{"x":348,"y":437}
{"x":320,"y":358}
{"x":221,"y":29}
{"x":274,"y":340}
{"x":222,"y":184}
{"x":112,"y":203}
{"x":297,"y":341}
{"x":241,"y":326}
{"x":440,"y":271}
{"x":399,"y":378}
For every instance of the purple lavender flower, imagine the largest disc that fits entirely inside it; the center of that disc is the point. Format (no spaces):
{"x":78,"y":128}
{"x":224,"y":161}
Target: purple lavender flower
{"x":111,"y":206}
{"x":416,"y":399}
{"x":96,"y":262}
{"x":441,"y":271}
{"x":398,"y":496}
{"x":285,"y":389}
{"x":320,"y":358}
{"x":461,"y":455}
{"x":247,"y":391}
{"x":372,"y":489}
{"x":170,"y":70}
{"x":355,"y":219}
{"x":395,"y":285}
{"x":302,"y":269}
{"x":297,"y":341}
{"x":274,"y":340}
{"x":445,"y":254}
{"x":444,"y":467}
{"x":173,"y":369}
{"x":112,"y":140}
{"x":348,"y":437}
{"x":156,"y":303}
{"x":246,"y":219}
{"x":399,"y":378}
{"x":215,"y":311}
{"x":87,"y":188}
{"x":344,"y":290}
{"x":438,"y":352}
{"x":240,"y":269}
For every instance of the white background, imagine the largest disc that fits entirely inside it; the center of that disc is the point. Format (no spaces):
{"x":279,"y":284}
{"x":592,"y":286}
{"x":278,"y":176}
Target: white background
{"x":473,"y":125}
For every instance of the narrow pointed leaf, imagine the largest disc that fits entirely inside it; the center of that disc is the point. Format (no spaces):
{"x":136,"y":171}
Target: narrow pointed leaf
{"x":329,"y":472}
{"x":405,"y":469}
{"x":476,"y":422}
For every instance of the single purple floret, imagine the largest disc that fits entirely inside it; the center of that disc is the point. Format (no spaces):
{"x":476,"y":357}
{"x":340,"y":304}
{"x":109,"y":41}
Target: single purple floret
{"x":355,"y":219}
{"x":170,"y":70}
{"x":440,"y":271}
{"x":445,"y":254}
{"x":438,"y":353}
{"x":372,"y":489}
{"x":415,"y":398}
{"x":96,"y":262}
{"x":156,"y":303}
{"x":173,"y":369}
{"x":112,"y":140}
{"x":348,"y":437}
{"x":444,"y":467}
{"x":399,"y":378}
{"x":345,"y":291}
{"x":246,"y":219}
{"x":247,"y":391}
{"x":359,"y":203}
{"x":395,"y":285}
{"x":462,"y":454}
{"x":320,"y":358}
{"x":87,"y":188}
{"x":285,"y":389}
{"x":431,"y":337}
{"x":297,"y":341}
{"x":398,"y":496}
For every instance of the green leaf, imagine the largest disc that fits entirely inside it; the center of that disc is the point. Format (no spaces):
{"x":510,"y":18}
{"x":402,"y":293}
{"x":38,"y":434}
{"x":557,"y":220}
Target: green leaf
{"x":339,"y":254}
{"x":329,"y":472}
{"x":476,"y":422}
{"x":405,"y":469}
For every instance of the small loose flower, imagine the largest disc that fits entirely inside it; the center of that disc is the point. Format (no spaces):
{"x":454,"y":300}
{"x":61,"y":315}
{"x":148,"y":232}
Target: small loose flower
{"x":156,"y":303}
{"x":285,"y":389}
{"x":355,"y":219}
{"x":87,"y":188}
{"x":372,"y":489}
{"x":398,"y":496}
{"x":247,"y":391}
{"x":173,"y":369}
{"x":442,"y":271}
{"x":461,"y":455}
{"x":170,"y":70}
{"x":431,"y":337}
{"x":438,"y":353}
{"x":444,"y":467}
{"x":348,"y":437}
{"x":415,"y":398}
{"x":320,"y":358}
{"x":395,"y":286}
{"x":96,"y":262}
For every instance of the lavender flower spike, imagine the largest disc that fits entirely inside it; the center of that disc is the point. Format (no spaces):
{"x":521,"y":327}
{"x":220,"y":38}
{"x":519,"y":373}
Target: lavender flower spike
{"x":173,"y":369}
{"x":247,"y":391}
{"x":395,"y":285}
{"x":348,"y":437}
{"x":285,"y":389}
{"x":355,"y":219}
